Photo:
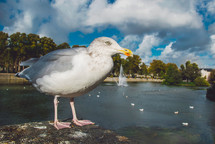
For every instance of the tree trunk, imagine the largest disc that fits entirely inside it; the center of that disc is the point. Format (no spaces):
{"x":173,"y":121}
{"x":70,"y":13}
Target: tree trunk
{"x":19,"y":68}
{"x":15,"y":66}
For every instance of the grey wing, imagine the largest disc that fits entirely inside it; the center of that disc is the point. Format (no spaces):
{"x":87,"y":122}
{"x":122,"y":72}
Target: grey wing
{"x":59,"y":60}
{"x":29,"y":62}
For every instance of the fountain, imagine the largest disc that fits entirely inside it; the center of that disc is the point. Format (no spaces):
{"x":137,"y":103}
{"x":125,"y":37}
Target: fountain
{"x":122,"y":78}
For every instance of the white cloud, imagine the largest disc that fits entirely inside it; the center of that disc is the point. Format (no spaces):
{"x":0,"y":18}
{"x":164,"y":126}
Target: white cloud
{"x":144,"y":48}
{"x":211,"y":7}
{"x":25,"y":16}
{"x":23,"y":24}
{"x":130,"y":41}
{"x":164,"y":14}
{"x":169,"y":55}
{"x":177,"y":20}
{"x":56,"y":19}
{"x":212,"y":46}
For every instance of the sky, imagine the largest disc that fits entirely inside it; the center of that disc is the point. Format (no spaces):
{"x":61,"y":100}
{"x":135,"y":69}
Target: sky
{"x":169,"y":30}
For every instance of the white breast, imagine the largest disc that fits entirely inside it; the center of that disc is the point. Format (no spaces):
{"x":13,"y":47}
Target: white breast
{"x":85,"y":73}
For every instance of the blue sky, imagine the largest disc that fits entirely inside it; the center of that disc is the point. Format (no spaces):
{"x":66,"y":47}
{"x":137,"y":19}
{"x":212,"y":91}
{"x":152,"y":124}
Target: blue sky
{"x":169,"y":30}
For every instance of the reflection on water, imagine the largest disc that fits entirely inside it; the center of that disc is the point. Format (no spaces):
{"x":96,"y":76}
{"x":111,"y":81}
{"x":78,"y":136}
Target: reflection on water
{"x":113,"y":110}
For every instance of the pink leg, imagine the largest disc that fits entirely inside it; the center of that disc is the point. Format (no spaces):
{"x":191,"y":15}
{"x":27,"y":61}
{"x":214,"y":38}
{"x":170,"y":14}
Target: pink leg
{"x":75,"y":120}
{"x":59,"y":125}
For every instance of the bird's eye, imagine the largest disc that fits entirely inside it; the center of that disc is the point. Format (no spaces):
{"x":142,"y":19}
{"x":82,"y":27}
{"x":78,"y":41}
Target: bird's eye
{"x":108,"y":43}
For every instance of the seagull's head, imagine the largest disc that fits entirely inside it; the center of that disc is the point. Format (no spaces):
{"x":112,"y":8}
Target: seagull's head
{"x":107,"y":46}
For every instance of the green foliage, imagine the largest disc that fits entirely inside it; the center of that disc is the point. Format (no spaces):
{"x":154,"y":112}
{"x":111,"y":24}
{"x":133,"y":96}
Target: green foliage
{"x":4,"y":51}
{"x":211,"y":78}
{"x":143,"y":69}
{"x":117,"y":60}
{"x":157,"y":68}
{"x":132,"y":64}
{"x":190,"y":72}
{"x":76,"y":46}
{"x":187,"y":84}
{"x":19,"y":47}
{"x":200,"y":81}
{"x":63,"y":46}
{"x":173,"y":75}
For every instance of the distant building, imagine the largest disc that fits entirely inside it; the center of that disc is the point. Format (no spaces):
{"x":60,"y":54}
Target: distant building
{"x":205,"y":72}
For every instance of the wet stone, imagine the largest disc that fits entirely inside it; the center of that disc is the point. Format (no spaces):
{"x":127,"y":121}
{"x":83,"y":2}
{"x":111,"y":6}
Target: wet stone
{"x":44,"y":132}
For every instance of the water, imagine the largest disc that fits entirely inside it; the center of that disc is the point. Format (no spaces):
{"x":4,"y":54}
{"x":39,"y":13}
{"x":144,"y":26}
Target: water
{"x":113,"y":110}
{"x":122,"y":78}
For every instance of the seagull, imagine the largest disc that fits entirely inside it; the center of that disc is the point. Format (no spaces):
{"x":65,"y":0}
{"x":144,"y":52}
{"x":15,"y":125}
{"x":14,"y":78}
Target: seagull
{"x":191,"y":107}
{"x":72,"y":72}
{"x":132,"y":104}
{"x":176,"y":112}
{"x":185,"y":124}
{"x":141,"y":110}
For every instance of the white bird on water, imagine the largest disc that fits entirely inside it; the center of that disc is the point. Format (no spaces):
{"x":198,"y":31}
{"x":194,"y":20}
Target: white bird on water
{"x":185,"y":124}
{"x":132,"y":104}
{"x":72,"y":72}
{"x":141,"y":110}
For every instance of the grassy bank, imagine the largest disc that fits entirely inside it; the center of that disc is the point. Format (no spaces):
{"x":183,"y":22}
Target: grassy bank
{"x":190,"y":84}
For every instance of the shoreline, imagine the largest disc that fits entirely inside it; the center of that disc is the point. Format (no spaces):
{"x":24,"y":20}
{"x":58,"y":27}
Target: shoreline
{"x":9,"y":78}
{"x":116,"y":79}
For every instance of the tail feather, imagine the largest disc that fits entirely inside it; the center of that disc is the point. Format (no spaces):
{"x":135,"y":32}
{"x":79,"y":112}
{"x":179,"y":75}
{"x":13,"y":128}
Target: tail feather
{"x":23,"y":75}
{"x":17,"y":74}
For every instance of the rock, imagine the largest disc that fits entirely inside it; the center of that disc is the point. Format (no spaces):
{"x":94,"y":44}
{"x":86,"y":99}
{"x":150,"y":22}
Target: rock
{"x":211,"y":93}
{"x":44,"y":132}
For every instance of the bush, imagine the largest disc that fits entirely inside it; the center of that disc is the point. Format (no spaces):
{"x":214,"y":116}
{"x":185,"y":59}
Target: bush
{"x":200,"y":81}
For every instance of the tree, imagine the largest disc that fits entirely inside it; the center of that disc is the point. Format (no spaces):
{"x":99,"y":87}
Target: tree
{"x":19,"y":47}
{"x":117,"y":60}
{"x":143,"y":69}
{"x":76,"y":46}
{"x":190,"y":71}
{"x":34,"y":46}
{"x":132,"y":64}
{"x":4,"y":51}
{"x":183,"y":75}
{"x":63,"y":46}
{"x":173,"y":75}
{"x":47,"y":45}
{"x":3,"y":41}
{"x":157,"y":68}
{"x":17,"y":44}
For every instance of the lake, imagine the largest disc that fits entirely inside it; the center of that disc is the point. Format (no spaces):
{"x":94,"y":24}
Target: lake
{"x":113,"y":109}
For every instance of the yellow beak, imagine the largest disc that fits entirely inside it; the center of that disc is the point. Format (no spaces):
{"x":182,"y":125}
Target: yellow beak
{"x":126,"y":52}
